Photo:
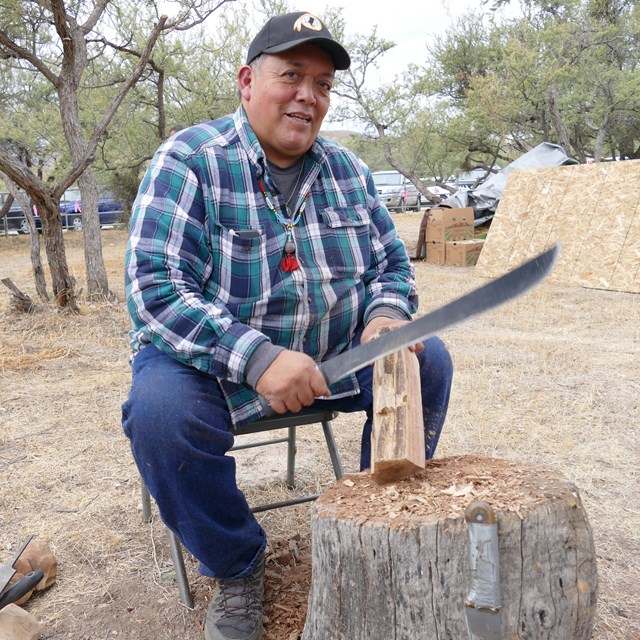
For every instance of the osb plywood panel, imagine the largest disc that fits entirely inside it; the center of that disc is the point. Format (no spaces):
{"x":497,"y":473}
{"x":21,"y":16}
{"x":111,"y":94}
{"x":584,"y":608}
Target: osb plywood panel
{"x":594,"y":210}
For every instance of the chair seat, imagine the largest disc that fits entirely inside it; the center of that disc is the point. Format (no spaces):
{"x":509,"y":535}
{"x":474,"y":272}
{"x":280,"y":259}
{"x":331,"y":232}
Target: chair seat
{"x":284,"y":420}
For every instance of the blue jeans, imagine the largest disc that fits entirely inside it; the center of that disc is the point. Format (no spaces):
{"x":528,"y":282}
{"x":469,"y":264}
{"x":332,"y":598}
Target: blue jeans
{"x":180,"y":430}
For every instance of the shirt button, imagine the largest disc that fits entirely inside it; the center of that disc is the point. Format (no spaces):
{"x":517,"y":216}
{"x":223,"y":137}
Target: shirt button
{"x":247,"y":247}
{"x":304,"y":340}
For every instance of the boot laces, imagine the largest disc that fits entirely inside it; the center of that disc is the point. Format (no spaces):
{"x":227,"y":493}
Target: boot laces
{"x":239,"y":598}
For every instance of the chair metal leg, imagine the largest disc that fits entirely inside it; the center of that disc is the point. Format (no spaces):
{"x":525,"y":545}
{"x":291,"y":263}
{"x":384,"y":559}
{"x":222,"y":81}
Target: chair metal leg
{"x":181,"y":572}
{"x":333,"y":450}
{"x":291,"y":457}
{"x":175,"y":545}
{"x":146,"y":502}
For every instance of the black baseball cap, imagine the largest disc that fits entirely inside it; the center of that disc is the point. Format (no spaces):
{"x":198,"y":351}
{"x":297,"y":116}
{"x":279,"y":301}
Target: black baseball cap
{"x":290,"y":30}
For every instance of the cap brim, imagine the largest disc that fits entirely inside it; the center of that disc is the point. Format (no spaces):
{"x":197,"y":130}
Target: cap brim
{"x":338,"y":53}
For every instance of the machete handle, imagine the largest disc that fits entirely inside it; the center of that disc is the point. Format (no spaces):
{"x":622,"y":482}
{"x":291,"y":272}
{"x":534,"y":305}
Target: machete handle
{"x":479,"y":512}
{"x":268,"y":411}
{"x":21,"y":588}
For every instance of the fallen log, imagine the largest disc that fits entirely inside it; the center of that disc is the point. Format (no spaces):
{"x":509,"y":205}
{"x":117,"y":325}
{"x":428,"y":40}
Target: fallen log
{"x":392,"y":561}
{"x":20,"y":301}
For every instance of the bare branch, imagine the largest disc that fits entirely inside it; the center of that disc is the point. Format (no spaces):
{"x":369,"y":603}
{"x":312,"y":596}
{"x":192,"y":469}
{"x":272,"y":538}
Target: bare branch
{"x":6,"y":206}
{"x":19,"y":173}
{"x":90,"y":148}
{"x":24,"y":54}
{"x":60,"y":22}
{"x":181,"y":24}
{"x":127,"y":49}
{"x":96,"y":14}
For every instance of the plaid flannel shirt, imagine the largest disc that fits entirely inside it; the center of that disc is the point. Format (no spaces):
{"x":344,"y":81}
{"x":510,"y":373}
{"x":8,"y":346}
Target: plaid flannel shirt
{"x":203,"y":276}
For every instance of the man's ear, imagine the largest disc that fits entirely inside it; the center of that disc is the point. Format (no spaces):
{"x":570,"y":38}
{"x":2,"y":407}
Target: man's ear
{"x":245,"y":80}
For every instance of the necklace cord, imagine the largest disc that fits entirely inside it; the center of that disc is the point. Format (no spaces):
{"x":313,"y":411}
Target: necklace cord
{"x":289,"y":262}
{"x":295,"y":187}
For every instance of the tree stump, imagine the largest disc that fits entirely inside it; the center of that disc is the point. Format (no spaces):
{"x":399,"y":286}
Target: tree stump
{"x":391,"y":561}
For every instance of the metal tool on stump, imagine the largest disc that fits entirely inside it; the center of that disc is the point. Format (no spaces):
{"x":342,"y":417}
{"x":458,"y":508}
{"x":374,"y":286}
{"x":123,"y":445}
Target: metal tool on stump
{"x":482,"y":605}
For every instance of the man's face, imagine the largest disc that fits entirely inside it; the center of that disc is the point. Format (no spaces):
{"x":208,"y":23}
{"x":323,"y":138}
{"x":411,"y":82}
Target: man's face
{"x":286,"y":97}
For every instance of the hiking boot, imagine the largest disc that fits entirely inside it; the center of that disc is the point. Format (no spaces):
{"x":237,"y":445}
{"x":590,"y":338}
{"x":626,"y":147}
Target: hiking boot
{"x":235,"y":611}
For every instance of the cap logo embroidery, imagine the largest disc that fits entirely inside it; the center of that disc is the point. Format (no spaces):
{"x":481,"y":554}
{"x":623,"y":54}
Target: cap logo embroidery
{"x":307,"y":21}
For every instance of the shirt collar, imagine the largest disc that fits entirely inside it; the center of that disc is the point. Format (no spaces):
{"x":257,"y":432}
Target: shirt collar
{"x":254,"y":150}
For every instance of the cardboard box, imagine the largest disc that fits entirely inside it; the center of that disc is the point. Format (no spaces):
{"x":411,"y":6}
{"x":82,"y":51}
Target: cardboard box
{"x":444,"y":225}
{"x":435,"y":252}
{"x":463,"y":253}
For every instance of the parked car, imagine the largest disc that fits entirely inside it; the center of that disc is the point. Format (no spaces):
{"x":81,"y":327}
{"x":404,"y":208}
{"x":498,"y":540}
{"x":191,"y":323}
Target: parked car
{"x":109,"y":212}
{"x":435,"y":190}
{"x":109,"y":208}
{"x":70,"y":209}
{"x":14,"y":220}
{"x":396,"y":191}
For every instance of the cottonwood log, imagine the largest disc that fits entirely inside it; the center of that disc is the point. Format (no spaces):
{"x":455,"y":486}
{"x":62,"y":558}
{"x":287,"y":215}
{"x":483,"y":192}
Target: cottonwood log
{"x":397,"y":435}
{"x":391,"y":561}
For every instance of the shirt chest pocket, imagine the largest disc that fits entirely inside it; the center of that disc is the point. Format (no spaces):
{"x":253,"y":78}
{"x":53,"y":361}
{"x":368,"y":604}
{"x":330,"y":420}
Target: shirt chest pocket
{"x":241,"y":264}
{"x":346,"y":240}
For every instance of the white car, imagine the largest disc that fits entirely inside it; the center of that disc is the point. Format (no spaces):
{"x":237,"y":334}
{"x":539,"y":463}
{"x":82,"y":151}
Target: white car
{"x":435,"y":190}
{"x":396,"y":192}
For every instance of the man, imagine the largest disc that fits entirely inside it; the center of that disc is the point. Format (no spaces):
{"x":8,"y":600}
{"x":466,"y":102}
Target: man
{"x":256,"y":250}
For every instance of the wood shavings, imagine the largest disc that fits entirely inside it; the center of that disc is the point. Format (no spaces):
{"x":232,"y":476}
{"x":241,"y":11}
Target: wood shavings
{"x":458,"y":492}
{"x":441,"y":491}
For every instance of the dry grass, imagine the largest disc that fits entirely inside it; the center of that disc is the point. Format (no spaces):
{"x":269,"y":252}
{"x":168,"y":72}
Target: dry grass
{"x":552,"y":379}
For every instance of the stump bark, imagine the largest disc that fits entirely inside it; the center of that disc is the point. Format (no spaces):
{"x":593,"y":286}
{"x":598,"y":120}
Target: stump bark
{"x":390,"y":562}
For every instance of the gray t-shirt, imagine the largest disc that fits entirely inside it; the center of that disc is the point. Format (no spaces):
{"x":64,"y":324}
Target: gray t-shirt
{"x":289,"y":181}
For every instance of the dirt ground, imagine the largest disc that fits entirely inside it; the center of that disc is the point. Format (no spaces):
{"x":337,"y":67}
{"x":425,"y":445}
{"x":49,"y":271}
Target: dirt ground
{"x":551,"y":379}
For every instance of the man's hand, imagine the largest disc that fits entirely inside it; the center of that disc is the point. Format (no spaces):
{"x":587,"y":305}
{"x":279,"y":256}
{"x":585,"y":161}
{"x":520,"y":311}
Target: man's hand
{"x":292,"y":381}
{"x":371,"y":331}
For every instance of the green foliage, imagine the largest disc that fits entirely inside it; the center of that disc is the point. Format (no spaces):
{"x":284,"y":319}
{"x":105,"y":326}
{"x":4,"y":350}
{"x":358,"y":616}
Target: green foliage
{"x":492,"y":88}
{"x":567,"y":72}
{"x":488,"y":88}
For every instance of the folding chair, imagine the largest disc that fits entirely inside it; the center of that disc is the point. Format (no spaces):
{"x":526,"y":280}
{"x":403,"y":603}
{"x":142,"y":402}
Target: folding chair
{"x":289,"y":421}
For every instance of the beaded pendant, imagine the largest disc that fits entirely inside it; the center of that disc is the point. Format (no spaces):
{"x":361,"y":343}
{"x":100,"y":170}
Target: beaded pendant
{"x":289,"y":262}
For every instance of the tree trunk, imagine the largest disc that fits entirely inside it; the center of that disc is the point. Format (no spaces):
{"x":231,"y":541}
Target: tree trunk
{"x":48,"y":208}
{"x":62,"y":281}
{"x":97,"y":280}
{"x":391,"y":561}
{"x":558,"y":122}
{"x":36,"y":262}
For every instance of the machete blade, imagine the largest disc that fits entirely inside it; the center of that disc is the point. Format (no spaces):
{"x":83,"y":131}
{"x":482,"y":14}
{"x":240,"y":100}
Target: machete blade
{"x":498,"y":291}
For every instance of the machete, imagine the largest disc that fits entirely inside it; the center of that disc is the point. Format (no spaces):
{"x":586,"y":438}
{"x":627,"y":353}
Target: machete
{"x":498,"y":291}
{"x":482,"y":604}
